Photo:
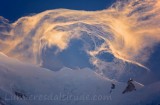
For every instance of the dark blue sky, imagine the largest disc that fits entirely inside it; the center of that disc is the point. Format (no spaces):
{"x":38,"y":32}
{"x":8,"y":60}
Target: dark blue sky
{"x":14,"y":9}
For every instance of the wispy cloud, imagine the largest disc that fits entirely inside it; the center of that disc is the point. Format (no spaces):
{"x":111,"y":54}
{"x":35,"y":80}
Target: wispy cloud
{"x":128,"y":29}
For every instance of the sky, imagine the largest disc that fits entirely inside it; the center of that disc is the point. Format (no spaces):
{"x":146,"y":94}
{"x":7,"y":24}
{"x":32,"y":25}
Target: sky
{"x":14,"y":9}
{"x":129,"y":34}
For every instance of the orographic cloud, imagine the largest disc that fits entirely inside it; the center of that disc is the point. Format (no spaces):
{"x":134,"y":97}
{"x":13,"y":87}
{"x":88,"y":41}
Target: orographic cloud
{"x":128,"y":29}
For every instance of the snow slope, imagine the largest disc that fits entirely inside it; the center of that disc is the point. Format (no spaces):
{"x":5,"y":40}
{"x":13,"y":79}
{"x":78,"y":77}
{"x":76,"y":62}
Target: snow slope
{"x":39,"y":86}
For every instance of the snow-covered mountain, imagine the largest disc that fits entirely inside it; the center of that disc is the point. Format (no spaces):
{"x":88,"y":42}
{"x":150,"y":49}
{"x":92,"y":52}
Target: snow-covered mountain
{"x":26,"y":84}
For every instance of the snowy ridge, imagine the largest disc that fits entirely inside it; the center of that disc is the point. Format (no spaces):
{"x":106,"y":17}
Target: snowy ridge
{"x":26,"y":80}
